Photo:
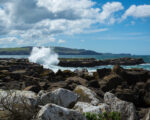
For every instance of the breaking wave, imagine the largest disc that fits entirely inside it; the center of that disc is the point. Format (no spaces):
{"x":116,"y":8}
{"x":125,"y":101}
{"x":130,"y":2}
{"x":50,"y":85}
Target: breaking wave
{"x":44,"y":56}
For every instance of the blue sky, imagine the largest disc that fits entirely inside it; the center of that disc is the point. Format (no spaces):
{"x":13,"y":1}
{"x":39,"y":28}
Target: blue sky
{"x":108,"y":26}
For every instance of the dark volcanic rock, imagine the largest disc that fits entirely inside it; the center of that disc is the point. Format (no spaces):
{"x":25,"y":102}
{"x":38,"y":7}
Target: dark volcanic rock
{"x":94,"y":84}
{"x":147,"y":93}
{"x":68,"y":62}
{"x":103,"y":72}
{"x":33,"y":88}
{"x":131,"y":85}
{"x":128,"y":84}
{"x":72,"y":82}
{"x":110,"y":82}
{"x":132,"y":77}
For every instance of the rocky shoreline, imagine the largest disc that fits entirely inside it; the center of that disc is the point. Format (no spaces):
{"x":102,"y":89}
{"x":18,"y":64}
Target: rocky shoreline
{"x":58,"y":94}
{"x":91,"y":62}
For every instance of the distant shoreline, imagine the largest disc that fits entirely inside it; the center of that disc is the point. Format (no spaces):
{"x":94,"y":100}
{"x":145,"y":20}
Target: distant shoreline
{"x":58,"y":50}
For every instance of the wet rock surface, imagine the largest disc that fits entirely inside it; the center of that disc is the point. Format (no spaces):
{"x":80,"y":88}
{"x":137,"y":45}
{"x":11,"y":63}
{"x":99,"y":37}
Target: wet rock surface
{"x":130,"y":85}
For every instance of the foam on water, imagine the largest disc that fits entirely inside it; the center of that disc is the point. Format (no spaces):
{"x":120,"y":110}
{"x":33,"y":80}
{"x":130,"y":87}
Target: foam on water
{"x":44,"y":56}
{"x":49,"y":59}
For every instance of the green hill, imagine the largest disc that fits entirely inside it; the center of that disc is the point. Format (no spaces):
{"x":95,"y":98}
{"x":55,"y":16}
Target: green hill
{"x":59,"y":50}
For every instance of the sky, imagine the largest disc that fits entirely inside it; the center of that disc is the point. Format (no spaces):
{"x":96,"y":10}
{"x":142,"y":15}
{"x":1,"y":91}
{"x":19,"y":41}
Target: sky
{"x":107,"y":26}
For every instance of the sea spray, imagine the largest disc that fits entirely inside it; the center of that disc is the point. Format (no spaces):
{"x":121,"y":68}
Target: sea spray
{"x":44,"y":56}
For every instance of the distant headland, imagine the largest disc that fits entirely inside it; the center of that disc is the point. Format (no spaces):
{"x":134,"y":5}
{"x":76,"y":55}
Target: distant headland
{"x":58,"y":50}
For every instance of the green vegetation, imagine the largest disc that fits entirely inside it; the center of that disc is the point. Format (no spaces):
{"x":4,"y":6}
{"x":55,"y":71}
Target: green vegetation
{"x":104,"y":116}
{"x":14,"y":49}
{"x":59,"y":50}
{"x":70,"y":51}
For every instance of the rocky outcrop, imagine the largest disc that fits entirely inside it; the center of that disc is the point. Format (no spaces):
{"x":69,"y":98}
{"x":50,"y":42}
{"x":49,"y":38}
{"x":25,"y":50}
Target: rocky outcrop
{"x":72,"y":82}
{"x":93,"y":62}
{"x":110,"y":82}
{"x":60,"y":97}
{"x":127,"y":109}
{"x":131,"y":85}
{"x":103,"y":72}
{"x":55,"y":112}
{"x":86,"y":95}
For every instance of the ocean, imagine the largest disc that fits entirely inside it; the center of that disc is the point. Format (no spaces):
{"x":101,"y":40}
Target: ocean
{"x":98,"y":57}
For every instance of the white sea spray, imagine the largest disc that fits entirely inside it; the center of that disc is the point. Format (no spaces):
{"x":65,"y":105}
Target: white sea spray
{"x":44,"y":56}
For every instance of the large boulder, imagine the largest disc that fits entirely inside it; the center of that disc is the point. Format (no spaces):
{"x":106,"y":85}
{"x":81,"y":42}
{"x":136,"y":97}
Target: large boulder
{"x":134,"y":76}
{"x":110,"y":82}
{"x":87,"y":95}
{"x":103,"y":72}
{"x":147,"y":93}
{"x":118,"y":70}
{"x":60,"y":97}
{"x":147,"y":116}
{"x":72,"y":82}
{"x":93,"y":84}
{"x":86,"y":107}
{"x":126,"y":109}
{"x":129,"y":95}
{"x":17,"y":97}
{"x":55,"y":112}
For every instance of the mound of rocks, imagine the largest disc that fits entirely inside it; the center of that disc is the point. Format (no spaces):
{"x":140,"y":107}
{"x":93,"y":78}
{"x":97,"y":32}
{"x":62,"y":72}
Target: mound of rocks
{"x":79,"y":90}
{"x":56,"y":105}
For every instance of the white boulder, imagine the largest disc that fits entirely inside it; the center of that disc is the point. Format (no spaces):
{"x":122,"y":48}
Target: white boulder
{"x":86,"y":95}
{"x":18,"y":97}
{"x":126,"y":109}
{"x":55,"y":112}
{"x":62,"y":97}
{"x":86,"y":107}
{"x":147,"y":116}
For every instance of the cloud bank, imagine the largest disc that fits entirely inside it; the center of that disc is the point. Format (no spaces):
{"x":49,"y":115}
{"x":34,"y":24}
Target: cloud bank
{"x":38,"y":22}
{"x":140,"y":11}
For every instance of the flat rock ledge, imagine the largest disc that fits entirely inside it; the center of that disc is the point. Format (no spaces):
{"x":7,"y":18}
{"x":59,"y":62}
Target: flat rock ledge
{"x":69,"y":62}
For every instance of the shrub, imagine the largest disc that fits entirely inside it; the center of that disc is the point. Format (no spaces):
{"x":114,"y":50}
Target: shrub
{"x":16,"y":107}
{"x":103,"y":116}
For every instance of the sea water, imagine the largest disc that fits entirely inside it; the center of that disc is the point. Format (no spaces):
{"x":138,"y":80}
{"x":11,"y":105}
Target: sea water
{"x":146,"y":58}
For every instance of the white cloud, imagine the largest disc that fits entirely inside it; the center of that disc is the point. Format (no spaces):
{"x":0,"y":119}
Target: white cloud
{"x":65,"y":5}
{"x":61,"y":41}
{"x":140,"y":11}
{"x":95,"y":30}
{"x":107,"y":15}
{"x":9,"y":40}
{"x":39,"y":21}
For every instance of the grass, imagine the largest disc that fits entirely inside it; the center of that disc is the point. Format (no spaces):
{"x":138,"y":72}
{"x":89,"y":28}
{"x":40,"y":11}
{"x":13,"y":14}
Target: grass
{"x":103,"y":116}
{"x":13,"y":49}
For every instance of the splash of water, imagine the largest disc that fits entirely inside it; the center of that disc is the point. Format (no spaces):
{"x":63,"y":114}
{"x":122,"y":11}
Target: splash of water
{"x":44,"y":56}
